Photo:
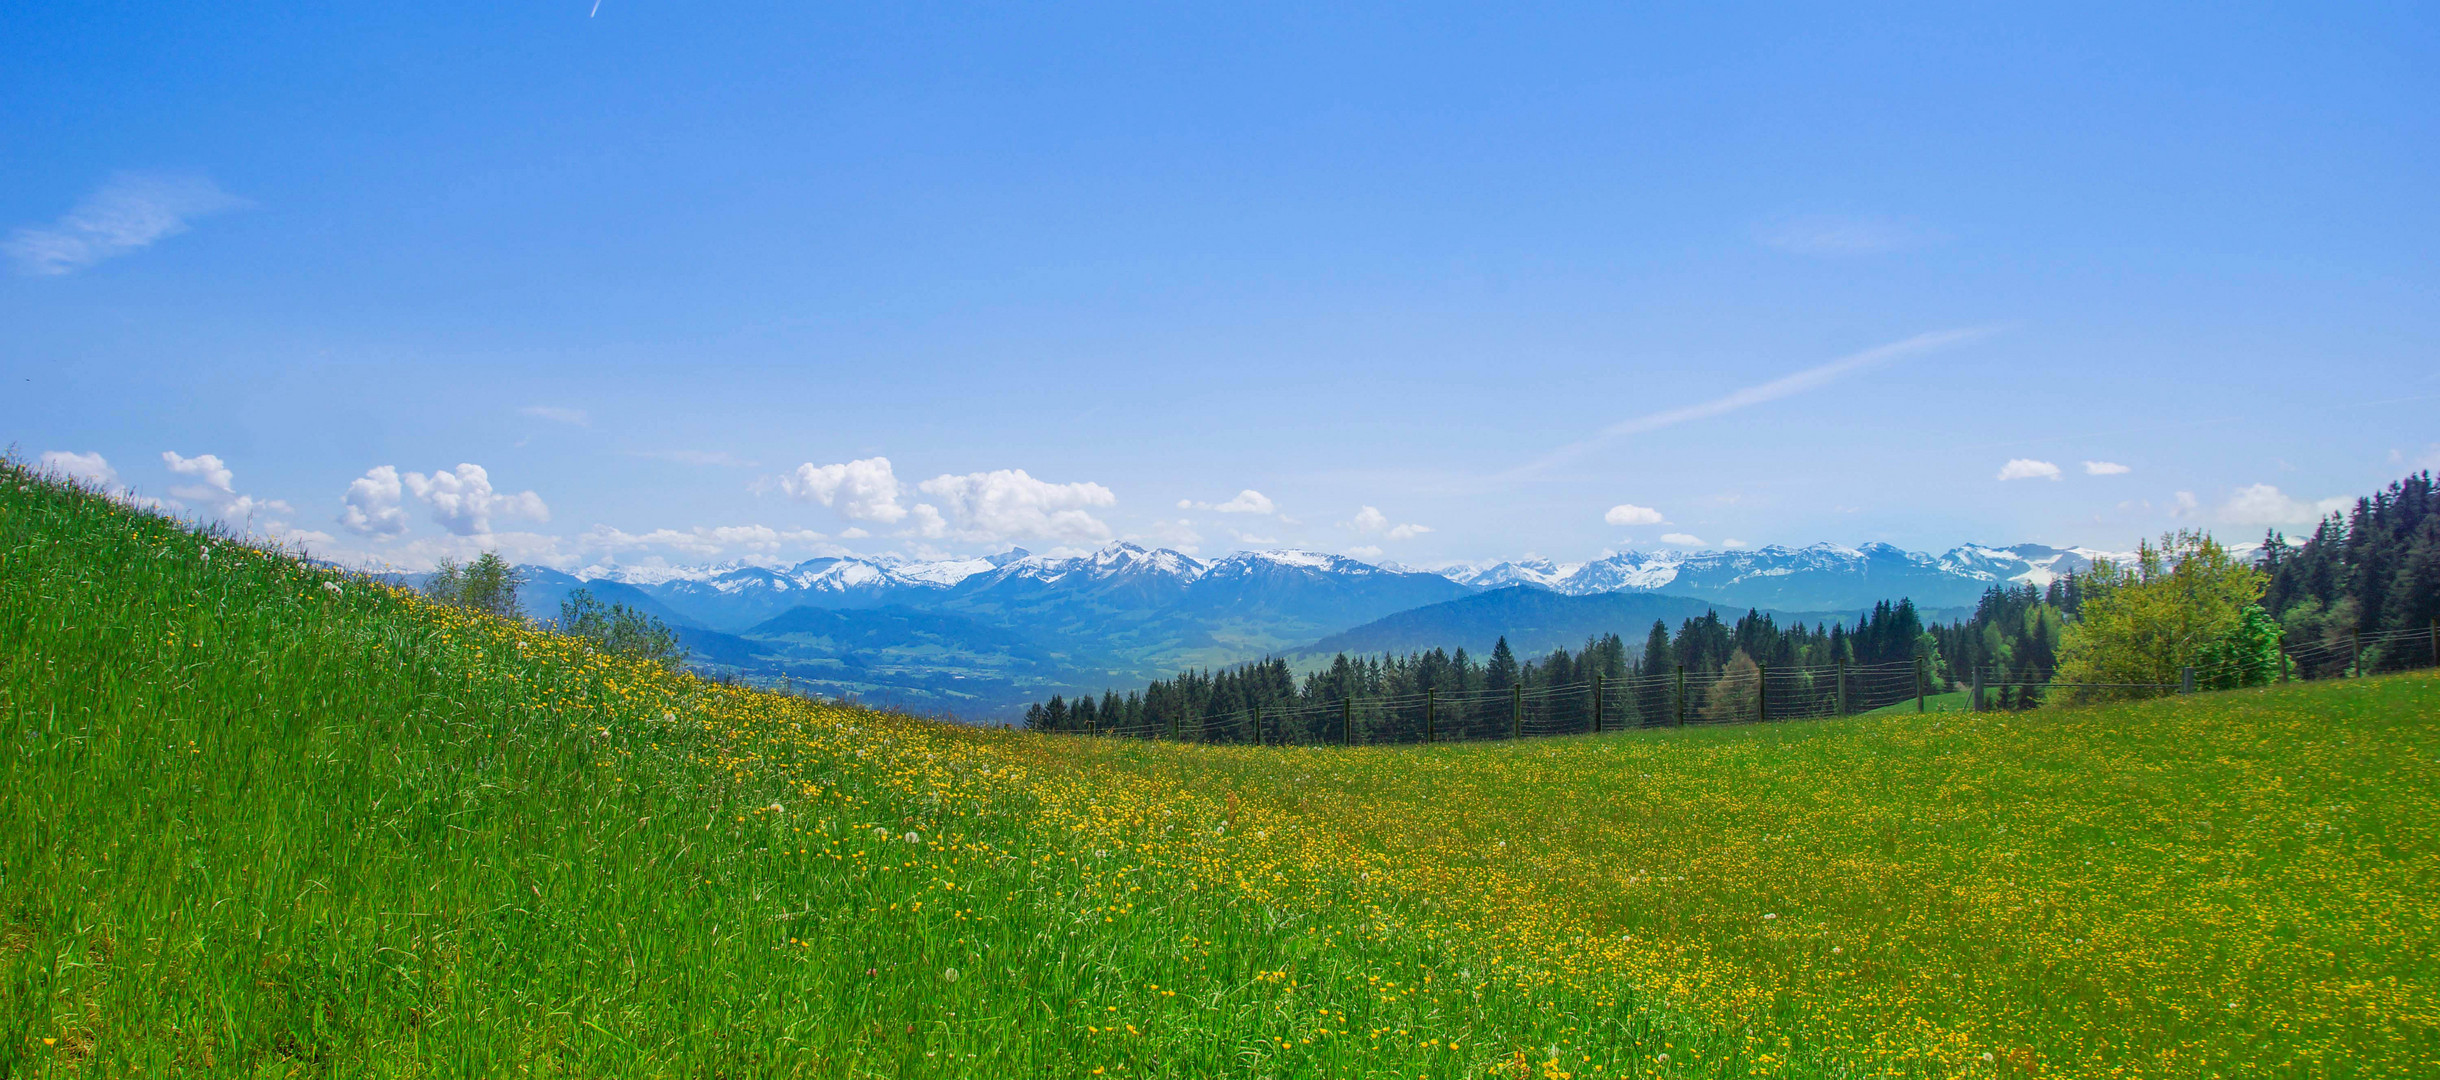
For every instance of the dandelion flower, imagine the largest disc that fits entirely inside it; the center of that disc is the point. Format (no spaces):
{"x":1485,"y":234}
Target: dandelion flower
{"x":949,"y":975}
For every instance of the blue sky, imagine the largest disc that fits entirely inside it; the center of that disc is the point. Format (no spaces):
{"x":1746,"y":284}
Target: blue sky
{"x":1434,"y":283}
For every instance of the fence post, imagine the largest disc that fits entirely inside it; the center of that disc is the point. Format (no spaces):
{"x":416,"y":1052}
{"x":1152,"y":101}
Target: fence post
{"x":1258,"y":725}
{"x":1977,"y":699}
{"x":1762,"y":692}
{"x":1516,"y":711}
{"x":1919,"y":705}
{"x":2185,"y":679}
{"x":1347,"y":720}
{"x":2355,"y":655}
{"x":1596,"y":704}
{"x":1681,"y":695}
{"x":1174,"y":734}
{"x":1431,"y":707}
{"x":1842,"y":686}
{"x":2436,"y":642}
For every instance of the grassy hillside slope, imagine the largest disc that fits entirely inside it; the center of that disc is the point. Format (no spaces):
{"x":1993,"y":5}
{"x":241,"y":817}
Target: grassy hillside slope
{"x":268,"y":821}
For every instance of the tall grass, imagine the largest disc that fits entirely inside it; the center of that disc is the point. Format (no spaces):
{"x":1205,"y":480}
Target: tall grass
{"x":266,"y":819}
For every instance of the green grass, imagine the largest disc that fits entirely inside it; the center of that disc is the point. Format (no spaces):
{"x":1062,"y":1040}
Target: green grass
{"x":261,"y":828}
{"x":1954,"y":701}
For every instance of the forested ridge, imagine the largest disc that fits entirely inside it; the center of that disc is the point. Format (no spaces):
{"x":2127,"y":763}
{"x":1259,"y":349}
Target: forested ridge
{"x":2372,"y":571}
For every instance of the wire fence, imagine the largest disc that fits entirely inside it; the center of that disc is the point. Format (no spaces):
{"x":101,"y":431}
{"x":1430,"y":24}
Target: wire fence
{"x":1745,"y":695}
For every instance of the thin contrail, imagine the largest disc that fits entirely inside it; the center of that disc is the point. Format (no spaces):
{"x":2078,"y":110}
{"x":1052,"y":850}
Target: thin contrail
{"x":1773,"y":390}
{"x":597,"y":9}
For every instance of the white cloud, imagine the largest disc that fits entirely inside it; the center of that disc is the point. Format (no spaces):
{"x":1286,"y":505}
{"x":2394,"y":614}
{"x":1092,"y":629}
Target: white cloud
{"x":1732,"y":543}
{"x":1682,"y":539}
{"x":1366,"y":551}
{"x":2028,"y":469}
{"x":371,"y":505}
{"x":129,"y":212}
{"x":1832,"y":235}
{"x":559,"y":414}
{"x":1250,"y":538}
{"x":863,"y":490}
{"x":1631,"y":514}
{"x":216,"y":477}
{"x":90,"y":469}
{"x":1007,"y":504}
{"x":2186,"y":505}
{"x":2105,"y":468}
{"x":464,"y":502}
{"x":216,"y":491}
{"x":2263,"y":504}
{"x":1248,"y":501}
{"x":1370,"y":521}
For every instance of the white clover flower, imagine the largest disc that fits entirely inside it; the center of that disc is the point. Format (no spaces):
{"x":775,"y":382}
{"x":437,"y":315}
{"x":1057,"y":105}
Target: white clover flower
{"x":914,"y":837}
{"x":332,"y":587}
{"x":880,"y":833}
{"x":949,"y":975}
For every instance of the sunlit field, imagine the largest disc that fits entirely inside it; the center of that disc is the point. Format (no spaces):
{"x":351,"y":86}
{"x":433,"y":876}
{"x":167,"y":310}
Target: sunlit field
{"x":265,"y":819}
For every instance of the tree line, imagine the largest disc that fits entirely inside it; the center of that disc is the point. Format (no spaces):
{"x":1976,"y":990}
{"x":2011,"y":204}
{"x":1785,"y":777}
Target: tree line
{"x":2127,"y":627}
{"x":1214,"y":704}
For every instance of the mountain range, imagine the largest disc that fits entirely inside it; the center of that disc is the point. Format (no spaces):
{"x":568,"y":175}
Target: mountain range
{"x":979,"y":637}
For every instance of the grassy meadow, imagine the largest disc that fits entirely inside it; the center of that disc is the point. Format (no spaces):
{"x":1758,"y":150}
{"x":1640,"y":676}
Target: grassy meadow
{"x":266,"y":819}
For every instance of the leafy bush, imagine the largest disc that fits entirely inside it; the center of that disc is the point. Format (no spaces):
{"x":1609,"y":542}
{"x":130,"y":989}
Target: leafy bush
{"x":620,"y":629}
{"x":488,"y":584}
{"x":2184,"y":603}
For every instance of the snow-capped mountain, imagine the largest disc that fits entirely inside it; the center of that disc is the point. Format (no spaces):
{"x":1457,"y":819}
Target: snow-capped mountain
{"x":1817,"y":577}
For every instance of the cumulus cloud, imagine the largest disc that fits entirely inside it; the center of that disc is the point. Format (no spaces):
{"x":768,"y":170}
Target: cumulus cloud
{"x":129,"y":212}
{"x":2028,"y":469}
{"x":464,"y":502}
{"x":1009,"y":504}
{"x":1248,"y":501}
{"x":215,"y":490}
{"x":371,"y":506}
{"x":1370,"y":521}
{"x":91,"y":468}
{"x":863,"y":490}
{"x":2185,"y":505}
{"x":2105,"y":468}
{"x":1682,"y":539}
{"x":1631,"y":514}
{"x":2263,"y":504}
{"x":558,"y":414}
